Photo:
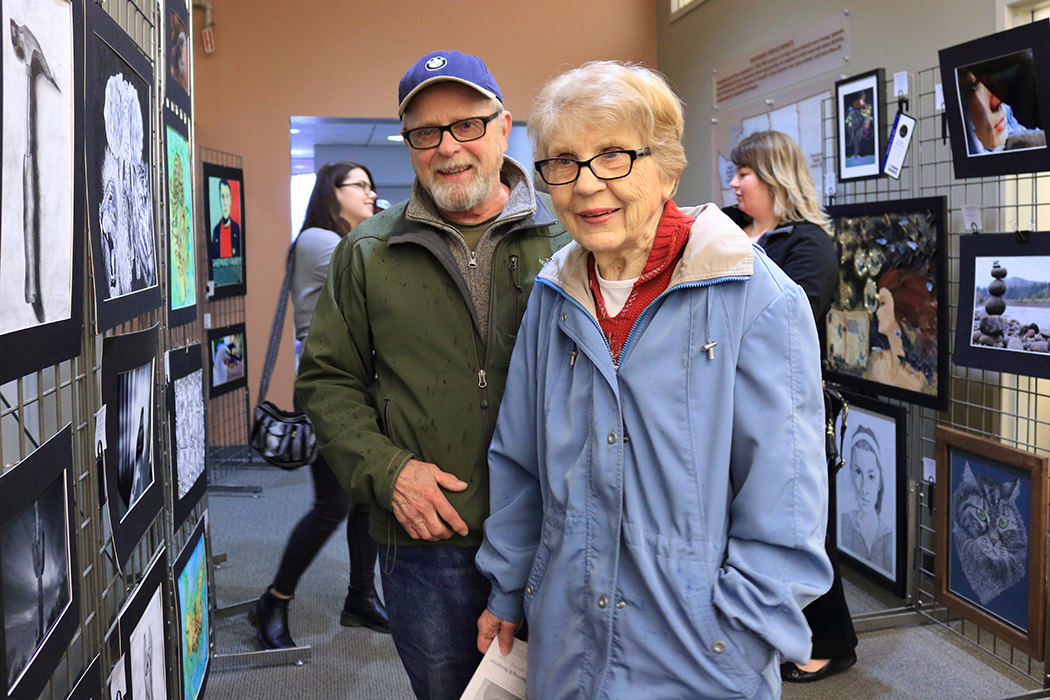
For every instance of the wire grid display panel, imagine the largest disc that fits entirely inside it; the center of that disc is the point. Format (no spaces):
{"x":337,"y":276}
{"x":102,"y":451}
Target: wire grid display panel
{"x":990,"y":404}
{"x":228,"y":414}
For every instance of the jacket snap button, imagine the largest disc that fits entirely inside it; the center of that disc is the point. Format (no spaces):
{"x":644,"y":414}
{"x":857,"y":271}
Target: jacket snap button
{"x":602,"y":602}
{"x":620,"y":605}
{"x":529,"y":589}
{"x":719,"y":646}
{"x":564,"y":316}
{"x":612,"y":438}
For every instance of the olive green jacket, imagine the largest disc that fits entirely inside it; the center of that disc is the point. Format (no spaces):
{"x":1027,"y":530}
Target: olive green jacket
{"x":395,"y":366}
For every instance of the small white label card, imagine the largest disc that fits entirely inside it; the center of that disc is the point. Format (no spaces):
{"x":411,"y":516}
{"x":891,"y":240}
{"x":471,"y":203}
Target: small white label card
{"x":900,"y":84}
{"x":929,"y":469}
{"x":207,"y":320}
{"x":897,"y":149}
{"x":938,"y":97}
{"x":971,"y":218}
{"x":829,"y":183}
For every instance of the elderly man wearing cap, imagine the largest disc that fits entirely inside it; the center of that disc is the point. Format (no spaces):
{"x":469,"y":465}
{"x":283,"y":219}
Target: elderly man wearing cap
{"x":406,"y":360}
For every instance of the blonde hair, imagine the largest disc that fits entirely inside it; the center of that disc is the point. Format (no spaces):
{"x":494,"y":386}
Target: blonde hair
{"x":780,"y":165}
{"x":610,"y":95}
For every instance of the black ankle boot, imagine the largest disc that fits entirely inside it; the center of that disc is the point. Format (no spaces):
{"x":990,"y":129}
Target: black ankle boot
{"x":269,"y":616}
{"x":363,"y":608}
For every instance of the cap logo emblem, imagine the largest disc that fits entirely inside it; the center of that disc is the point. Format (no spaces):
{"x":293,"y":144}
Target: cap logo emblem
{"x":436,"y":63}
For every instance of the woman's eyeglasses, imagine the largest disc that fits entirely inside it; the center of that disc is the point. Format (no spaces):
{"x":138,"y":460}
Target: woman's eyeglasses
{"x":611,"y":165}
{"x":363,"y":186}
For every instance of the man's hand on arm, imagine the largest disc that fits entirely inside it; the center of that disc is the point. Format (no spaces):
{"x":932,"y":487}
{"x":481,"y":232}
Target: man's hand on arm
{"x":421,"y":507}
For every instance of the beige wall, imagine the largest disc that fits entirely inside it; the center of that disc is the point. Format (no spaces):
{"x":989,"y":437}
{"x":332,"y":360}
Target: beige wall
{"x":340,"y":58}
{"x":898,"y":35}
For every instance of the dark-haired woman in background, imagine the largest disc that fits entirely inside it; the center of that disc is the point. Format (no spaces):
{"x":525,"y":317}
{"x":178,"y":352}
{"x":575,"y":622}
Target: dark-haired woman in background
{"x":779,"y":209}
{"x":343,"y":196}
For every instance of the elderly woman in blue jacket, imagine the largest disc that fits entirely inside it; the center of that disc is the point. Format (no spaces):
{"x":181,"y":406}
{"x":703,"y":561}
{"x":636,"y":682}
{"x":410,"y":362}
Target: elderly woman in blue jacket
{"x":658,"y":482}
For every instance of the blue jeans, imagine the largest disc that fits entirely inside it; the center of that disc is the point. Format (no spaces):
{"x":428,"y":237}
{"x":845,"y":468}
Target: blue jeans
{"x":434,"y":595}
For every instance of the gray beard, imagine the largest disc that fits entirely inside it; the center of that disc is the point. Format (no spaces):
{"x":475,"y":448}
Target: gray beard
{"x":466,"y":195}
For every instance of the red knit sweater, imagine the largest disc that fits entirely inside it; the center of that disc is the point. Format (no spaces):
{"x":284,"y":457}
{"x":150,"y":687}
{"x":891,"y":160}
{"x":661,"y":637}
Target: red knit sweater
{"x":671,"y":236}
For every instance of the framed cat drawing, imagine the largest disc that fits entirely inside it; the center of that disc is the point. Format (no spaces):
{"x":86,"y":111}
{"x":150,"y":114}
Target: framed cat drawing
{"x":990,"y":515}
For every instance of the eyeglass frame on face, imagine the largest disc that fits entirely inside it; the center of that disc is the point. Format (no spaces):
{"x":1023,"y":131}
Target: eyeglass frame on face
{"x":635,"y":154}
{"x":407,"y":134}
{"x":363,"y":186}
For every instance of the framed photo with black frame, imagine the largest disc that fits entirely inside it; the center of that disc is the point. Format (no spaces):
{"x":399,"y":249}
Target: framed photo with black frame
{"x":185,"y":402}
{"x":997,"y":100}
{"x":192,"y":611}
{"x":133,"y":486}
{"x":860,"y":123}
{"x":182,"y":249}
{"x":869,"y":493}
{"x":227,"y":359}
{"x":990,"y":544}
{"x":144,"y":631}
{"x":39,"y":589}
{"x":41,"y":185}
{"x":119,"y":173}
{"x":224,"y":225}
{"x":177,"y":80}
{"x":887,"y":333}
{"x":89,"y":686}
{"x":1004,"y":304}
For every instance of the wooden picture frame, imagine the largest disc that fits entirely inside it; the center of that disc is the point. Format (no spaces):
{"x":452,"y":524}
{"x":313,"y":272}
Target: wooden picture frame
{"x":42,"y":231}
{"x":892,"y":255}
{"x":1016,"y":339}
{"x":869,"y":493}
{"x":1009,"y":70}
{"x":860,"y":125}
{"x":38,"y":532}
{"x":225,"y":236}
{"x":984,"y":487}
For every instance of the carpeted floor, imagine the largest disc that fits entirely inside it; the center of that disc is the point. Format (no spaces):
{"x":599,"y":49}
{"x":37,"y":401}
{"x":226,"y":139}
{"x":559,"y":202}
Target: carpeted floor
{"x":914,"y":663}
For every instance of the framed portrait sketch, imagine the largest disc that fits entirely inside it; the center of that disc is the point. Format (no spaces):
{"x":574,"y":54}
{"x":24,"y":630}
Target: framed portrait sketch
{"x":117,"y":682}
{"x":144,"y":633}
{"x":871,"y":522}
{"x":89,"y":685}
{"x":860,"y":122}
{"x":182,"y":251}
{"x":119,"y":173}
{"x":39,"y":593}
{"x":997,"y":100}
{"x":185,"y":401}
{"x":887,"y":331}
{"x":224,"y":224}
{"x":990,"y":546}
{"x":193,"y":614}
{"x":227,"y":360}
{"x":133,"y":486}
{"x":1004,"y":304}
{"x":41,"y":185}
{"x":177,"y":80}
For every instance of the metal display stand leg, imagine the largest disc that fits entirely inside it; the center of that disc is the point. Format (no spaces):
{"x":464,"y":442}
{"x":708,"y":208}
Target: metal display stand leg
{"x":249,"y":659}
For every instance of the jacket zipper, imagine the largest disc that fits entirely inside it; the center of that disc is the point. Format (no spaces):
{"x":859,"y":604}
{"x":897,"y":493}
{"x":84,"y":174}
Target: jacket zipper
{"x":512,"y":264}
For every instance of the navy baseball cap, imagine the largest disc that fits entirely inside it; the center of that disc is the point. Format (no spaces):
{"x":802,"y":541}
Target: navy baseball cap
{"x":437,"y":66}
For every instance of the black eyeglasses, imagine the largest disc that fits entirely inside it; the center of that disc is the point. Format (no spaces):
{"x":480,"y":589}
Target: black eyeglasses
{"x":363,"y":186}
{"x":611,"y":165}
{"x":463,"y":131}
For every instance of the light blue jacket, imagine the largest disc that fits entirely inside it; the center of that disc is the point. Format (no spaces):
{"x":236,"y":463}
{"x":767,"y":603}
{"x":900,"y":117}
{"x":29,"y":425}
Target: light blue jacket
{"x":661,"y":523}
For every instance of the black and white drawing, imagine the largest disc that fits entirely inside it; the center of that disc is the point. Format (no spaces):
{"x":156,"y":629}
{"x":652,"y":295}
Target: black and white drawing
{"x":41,"y":205}
{"x":135,"y":466}
{"x":117,"y":683}
{"x":189,"y":430}
{"x":147,"y":653}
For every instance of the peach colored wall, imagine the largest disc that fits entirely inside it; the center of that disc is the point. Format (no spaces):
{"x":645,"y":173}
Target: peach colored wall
{"x":339,"y":58}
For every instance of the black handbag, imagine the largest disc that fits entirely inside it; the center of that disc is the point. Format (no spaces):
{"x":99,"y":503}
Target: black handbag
{"x":834,"y":405}
{"x":283,"y":439}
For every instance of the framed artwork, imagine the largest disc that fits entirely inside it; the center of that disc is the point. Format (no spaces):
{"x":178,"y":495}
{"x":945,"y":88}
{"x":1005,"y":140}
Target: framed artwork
{"x":39,"y":595}
{"x":133,"y":486}
{"x":185,"y":401}
{"x":182,"y":252}
{"x":177,"y":81}
{"x":224,"y":223}
{"x":226,"y":353}
{"x":119,"y":173}
{"x":860,"y":121}
{"x":997,"y":100}
{"x":41,"y":185}
{"x":89,"y":686}
{"x":144,"y":633}
{"x":1004,"y":304}
{"x":887,"y":331}
{"x":871,"y":517}
{"x":990,"y":547}
{"x":191,"y":585}
{"x":117,"y":683}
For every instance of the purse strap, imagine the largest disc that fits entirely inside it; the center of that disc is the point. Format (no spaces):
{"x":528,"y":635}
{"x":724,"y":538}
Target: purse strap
{"x":278,"y":324}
